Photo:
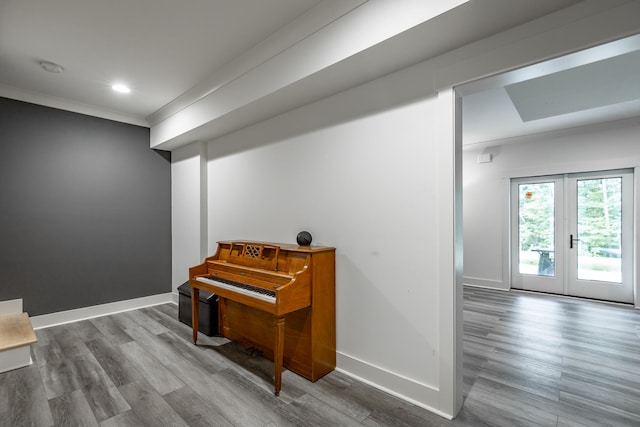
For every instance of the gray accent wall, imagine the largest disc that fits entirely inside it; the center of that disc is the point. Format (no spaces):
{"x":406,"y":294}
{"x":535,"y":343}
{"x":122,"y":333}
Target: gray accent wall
{"x":85,"y":210}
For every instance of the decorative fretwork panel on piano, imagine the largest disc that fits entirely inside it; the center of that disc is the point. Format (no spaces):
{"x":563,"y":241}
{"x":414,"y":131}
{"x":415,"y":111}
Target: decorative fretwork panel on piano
{"x":261,"y":255}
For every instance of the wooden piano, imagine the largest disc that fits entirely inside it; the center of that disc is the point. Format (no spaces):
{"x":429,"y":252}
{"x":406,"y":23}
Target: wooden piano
{"x":278,"y":298}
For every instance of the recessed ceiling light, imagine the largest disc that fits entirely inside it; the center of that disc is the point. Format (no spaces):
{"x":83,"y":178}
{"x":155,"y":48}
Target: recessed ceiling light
{"x":121,"y":88}
{"x":51,"y":67}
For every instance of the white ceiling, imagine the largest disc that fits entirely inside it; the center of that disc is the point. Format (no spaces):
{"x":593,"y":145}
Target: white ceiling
{"x":596,"y":85}
{"x":166,"y":49}
{"x":161,"y":48}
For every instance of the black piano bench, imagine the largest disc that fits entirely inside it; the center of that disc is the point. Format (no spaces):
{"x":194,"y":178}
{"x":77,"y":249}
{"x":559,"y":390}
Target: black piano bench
{"x":208,"y":309}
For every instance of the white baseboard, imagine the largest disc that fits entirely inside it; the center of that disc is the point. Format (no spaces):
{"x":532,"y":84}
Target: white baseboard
{"x":419,"y":394}
{"x":486,"y":283}
{"x":61,"y":317}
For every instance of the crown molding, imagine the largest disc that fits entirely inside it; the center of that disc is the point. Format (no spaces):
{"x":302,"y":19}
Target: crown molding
{"x":67,"y":105}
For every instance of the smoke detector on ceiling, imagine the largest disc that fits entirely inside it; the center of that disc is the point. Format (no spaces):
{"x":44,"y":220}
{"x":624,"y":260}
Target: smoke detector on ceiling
{"x":51,"y":67}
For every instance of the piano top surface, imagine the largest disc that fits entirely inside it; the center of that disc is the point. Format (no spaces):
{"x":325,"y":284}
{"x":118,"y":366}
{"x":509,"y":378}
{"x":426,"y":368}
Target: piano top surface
{"x":283,"y":246}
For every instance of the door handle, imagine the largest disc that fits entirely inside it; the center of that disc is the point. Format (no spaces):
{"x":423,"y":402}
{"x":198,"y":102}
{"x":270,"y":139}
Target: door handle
{"x":571,"y":240}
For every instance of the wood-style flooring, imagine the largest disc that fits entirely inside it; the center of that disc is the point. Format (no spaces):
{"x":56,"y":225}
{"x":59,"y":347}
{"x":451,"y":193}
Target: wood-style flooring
{"x":528,"y":360}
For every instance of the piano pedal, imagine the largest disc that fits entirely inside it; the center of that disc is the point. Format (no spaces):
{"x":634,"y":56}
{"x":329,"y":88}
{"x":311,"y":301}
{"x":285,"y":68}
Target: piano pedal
{"x":254,"y":352}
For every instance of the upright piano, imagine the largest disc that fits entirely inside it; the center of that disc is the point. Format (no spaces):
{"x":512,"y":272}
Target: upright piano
{"x":277,"y":298}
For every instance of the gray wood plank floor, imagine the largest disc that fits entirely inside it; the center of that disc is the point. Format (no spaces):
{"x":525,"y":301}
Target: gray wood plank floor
{"x":529,"y":360}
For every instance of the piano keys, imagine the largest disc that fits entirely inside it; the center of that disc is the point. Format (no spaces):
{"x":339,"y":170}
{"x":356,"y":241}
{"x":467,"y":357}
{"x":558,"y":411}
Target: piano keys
{"x":254,"y":291}
{"x":278,"y":298}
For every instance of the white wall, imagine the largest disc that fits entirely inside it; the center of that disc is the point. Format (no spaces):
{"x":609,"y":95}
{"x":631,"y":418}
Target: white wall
{"x":372,"y":171}
{"x":365,"y":182}
{"x":187,"y":211}
{"x":486,"y":185}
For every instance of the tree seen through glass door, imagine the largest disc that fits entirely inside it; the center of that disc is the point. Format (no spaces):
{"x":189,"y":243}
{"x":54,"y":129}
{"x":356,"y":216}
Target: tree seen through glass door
{"x":599,"y":221}
{"x":536,"y":216}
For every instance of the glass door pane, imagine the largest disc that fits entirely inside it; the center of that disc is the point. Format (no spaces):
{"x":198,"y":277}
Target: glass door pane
{"x":536,"y":231}
{"x":537,"y":215}
{"x":601,"y":235}
{"x":599,"y":229}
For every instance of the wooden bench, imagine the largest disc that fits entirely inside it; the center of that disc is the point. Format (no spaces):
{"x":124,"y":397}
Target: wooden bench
{"x":16,"y":336}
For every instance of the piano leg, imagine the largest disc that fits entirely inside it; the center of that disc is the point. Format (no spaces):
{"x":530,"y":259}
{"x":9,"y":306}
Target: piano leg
{"x":278,"y":352}
{"x":195,"y":298}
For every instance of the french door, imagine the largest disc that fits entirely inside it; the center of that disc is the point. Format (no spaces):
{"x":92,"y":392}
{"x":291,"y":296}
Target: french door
{"x":572,"y":235}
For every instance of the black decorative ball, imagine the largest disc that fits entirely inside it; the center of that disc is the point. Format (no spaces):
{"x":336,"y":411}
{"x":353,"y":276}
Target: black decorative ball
{"x":304,"y":238}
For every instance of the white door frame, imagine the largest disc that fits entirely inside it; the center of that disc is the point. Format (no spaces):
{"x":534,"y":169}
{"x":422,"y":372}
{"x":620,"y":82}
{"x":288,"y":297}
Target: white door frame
{"x":622,"y":292}
{"x":564,"y":281}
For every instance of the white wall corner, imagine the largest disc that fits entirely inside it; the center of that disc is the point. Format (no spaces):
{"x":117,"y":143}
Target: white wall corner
{"x":188,"y":210}
{"x":450,"y":268}
{"x":423,"y":395}
{"x":204,"y":201}
{"x":636,"y":241}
